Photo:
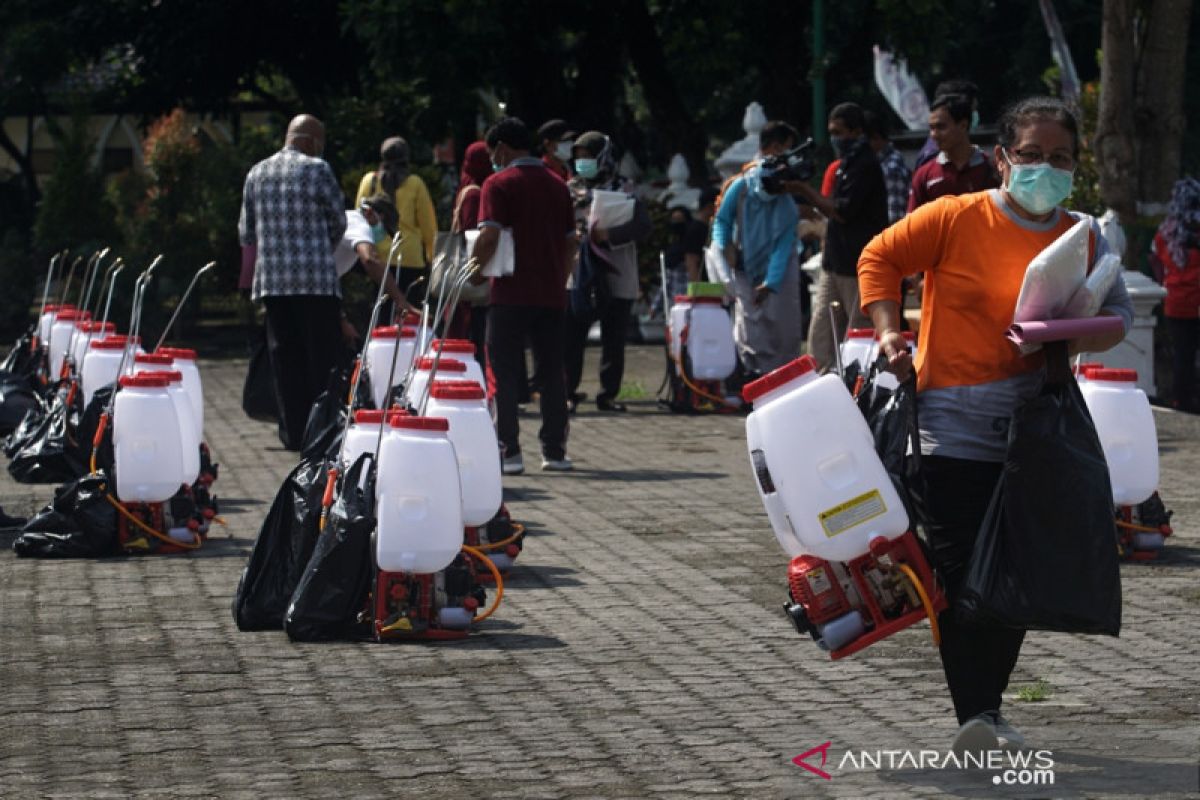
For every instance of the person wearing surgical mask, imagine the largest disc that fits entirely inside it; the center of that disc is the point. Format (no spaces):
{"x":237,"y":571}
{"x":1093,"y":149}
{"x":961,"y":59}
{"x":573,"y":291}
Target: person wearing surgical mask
{"x":857,"y":210}
{"x":974,"y":250}
{"x":556,"y":139}
{"x":605,"y":283}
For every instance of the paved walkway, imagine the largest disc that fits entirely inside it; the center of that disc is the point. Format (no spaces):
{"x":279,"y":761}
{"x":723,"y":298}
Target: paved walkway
{"x":640,"y":653}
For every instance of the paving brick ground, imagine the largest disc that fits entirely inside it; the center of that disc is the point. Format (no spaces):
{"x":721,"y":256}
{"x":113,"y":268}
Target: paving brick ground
{"x":640,"y":653}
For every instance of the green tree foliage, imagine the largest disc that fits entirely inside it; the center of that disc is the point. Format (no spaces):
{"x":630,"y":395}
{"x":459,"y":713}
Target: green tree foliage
{"x":74,"y":213}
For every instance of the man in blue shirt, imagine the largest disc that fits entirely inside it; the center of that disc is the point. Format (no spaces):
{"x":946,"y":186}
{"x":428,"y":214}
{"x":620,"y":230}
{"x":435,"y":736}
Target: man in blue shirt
{"x":757,"y":230}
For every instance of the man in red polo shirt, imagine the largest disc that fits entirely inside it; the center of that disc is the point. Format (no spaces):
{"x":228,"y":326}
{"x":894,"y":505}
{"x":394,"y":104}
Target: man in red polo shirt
{"x":960,"y":167}
{"x":524,"y":197}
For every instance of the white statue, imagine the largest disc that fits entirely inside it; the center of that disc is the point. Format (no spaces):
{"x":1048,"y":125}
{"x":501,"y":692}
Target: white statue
{"x":745,"y":149}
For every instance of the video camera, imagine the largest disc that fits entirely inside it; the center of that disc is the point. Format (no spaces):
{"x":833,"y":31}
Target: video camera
{"x":794,"y":165}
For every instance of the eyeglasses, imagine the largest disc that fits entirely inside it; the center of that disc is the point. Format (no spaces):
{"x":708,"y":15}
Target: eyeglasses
{"x":1056,"y":160}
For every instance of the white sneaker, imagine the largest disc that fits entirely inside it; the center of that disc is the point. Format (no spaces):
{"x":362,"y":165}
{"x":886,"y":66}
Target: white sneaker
{"x":977,"y":735}
{"x":557,"y":464}
{"x":512,"y":465}
{"x":1009,"y":737}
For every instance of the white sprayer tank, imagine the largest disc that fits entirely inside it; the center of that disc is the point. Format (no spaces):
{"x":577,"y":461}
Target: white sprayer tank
{"x":101,"y":365}
{"x":447,"y":369}
{"x":189,"y":439}
{"x":1125,"y":425}
{"x":462,"y":350}
{"x":418,"y":497}
{"x":88,"y":332}
{"x":824,"y":488}
{"x":61,"y":331}
{"x":46,"y":321}
{"x":711,"y":352}
{"x":364,"y":433}
{"x":185,"y":362}
{"x":146,"y":441}
{"x":859,"y":346}
{"x":677,"y":321}
{"x":475,"y":445}
{"x":384,"y":341}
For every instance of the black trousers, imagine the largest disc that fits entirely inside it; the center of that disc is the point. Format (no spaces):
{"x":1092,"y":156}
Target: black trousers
{"x":1185,"y":337}
{"x":507,"y":328}
{"x":977,"y":661}
{"x":614,"y":321}
{"x":304,"y":341}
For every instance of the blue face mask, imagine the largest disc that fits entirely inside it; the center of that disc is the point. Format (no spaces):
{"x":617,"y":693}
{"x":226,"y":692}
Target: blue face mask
{"x":587,"y":168}
{"x":496,"y":167}
{"x":1038,"y":188}
{"x":378,"y":232}
{"x":974,"y":120}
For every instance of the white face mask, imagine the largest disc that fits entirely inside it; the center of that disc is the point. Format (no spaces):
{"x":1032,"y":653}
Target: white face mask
{"x":562,"y":151}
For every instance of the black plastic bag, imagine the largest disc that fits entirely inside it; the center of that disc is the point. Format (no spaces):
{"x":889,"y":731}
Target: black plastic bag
{"x":281,"y":552}
{"x":23,"y":359}
{"x":1045,"y":558}
{"x":258,"y":391}
{"x":79,"y":523}
{"x":331,"y":595}
{"x":327,"y":417}
{"x":17,"y":398}
{"x":51,"y":453}
{"x":85,"y":433}
{"x":892,"y":416}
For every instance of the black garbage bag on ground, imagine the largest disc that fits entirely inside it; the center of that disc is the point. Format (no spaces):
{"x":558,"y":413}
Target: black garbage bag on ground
{"x":51,"y":453}
{"x":85,"y":434}
{"x":327,"y":417}
{"x":258,"y":391}
{"x":1045,"y":558}
{"x":17,"y":398}
{"x":79,"y":523}
{"x":22,"y":360}
{"x":281,"y":552}
{"x":331,"y":595}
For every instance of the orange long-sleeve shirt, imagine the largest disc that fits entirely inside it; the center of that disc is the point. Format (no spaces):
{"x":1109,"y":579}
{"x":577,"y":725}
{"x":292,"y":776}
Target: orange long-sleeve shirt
{"x":974,"y":254}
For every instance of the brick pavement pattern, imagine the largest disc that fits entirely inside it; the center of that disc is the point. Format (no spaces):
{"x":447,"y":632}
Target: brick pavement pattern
{"x":640,"y":652}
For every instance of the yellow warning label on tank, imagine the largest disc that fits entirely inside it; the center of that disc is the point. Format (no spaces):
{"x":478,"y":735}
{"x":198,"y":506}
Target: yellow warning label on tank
{"x":851,"y":513}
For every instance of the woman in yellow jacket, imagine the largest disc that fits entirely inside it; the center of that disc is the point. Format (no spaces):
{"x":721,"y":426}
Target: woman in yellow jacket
{"x":418,"y":222}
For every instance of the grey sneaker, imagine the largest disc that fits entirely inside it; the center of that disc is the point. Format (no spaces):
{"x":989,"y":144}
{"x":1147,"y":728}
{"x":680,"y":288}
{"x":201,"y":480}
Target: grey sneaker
{"x":512,"y":465}
{"x":557,"y":464}
{"x":1009,"y":737}
{"x":977,"y":735}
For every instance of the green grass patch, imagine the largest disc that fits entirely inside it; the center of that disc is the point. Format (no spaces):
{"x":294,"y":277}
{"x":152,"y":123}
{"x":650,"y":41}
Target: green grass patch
{"x":1035,"y":692}
{"x":633,"y":391}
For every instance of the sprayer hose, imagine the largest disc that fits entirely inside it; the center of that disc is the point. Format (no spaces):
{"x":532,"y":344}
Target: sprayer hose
{"x":934,"y":630}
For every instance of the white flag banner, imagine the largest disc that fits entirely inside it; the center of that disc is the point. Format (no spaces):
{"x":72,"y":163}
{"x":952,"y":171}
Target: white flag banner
{"x":902,"y":91}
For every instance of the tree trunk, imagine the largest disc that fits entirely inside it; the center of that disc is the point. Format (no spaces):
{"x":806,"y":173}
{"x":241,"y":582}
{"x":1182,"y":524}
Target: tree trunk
{"x":25,"y":165}
{"x":1159,"y":112}
{"x":1116,"y":155}
{"x":667,"y":109}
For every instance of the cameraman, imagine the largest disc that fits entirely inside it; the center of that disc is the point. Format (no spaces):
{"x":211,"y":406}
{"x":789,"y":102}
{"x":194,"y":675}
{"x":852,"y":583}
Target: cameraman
{"x":857,"y":210}
{"x":756,"y":228}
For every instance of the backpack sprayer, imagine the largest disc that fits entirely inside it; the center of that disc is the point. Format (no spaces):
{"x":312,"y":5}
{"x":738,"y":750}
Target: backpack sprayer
{"x":700,"y":350}
{"x":407,"y":605}
{"x":181,"y":522}
{"x":858,"y":573}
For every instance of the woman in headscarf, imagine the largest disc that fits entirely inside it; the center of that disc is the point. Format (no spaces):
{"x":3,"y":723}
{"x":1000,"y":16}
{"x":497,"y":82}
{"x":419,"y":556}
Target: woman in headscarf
{"x":1177,"y":250}
{"x":417,"y":221}
{"x":471,"y":319}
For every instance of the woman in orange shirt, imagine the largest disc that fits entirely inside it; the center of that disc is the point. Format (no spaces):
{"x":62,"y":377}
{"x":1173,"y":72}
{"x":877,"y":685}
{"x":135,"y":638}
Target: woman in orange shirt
{"x":974,"y":250}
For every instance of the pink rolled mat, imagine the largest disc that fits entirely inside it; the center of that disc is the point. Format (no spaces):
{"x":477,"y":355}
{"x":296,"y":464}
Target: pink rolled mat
{"x":1054,"y":330}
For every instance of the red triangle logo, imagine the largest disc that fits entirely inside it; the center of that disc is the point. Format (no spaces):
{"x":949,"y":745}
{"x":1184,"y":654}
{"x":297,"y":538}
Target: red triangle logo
{"x":823,"y":749}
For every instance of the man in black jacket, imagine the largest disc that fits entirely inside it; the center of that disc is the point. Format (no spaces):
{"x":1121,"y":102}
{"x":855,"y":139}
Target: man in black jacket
{"x":856,"y":211}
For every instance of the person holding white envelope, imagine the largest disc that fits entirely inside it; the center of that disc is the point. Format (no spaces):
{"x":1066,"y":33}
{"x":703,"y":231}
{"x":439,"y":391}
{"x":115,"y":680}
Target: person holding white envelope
{"x":975,"y":251}
{"x":611,"y":222}
{"x":532,"y":206}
